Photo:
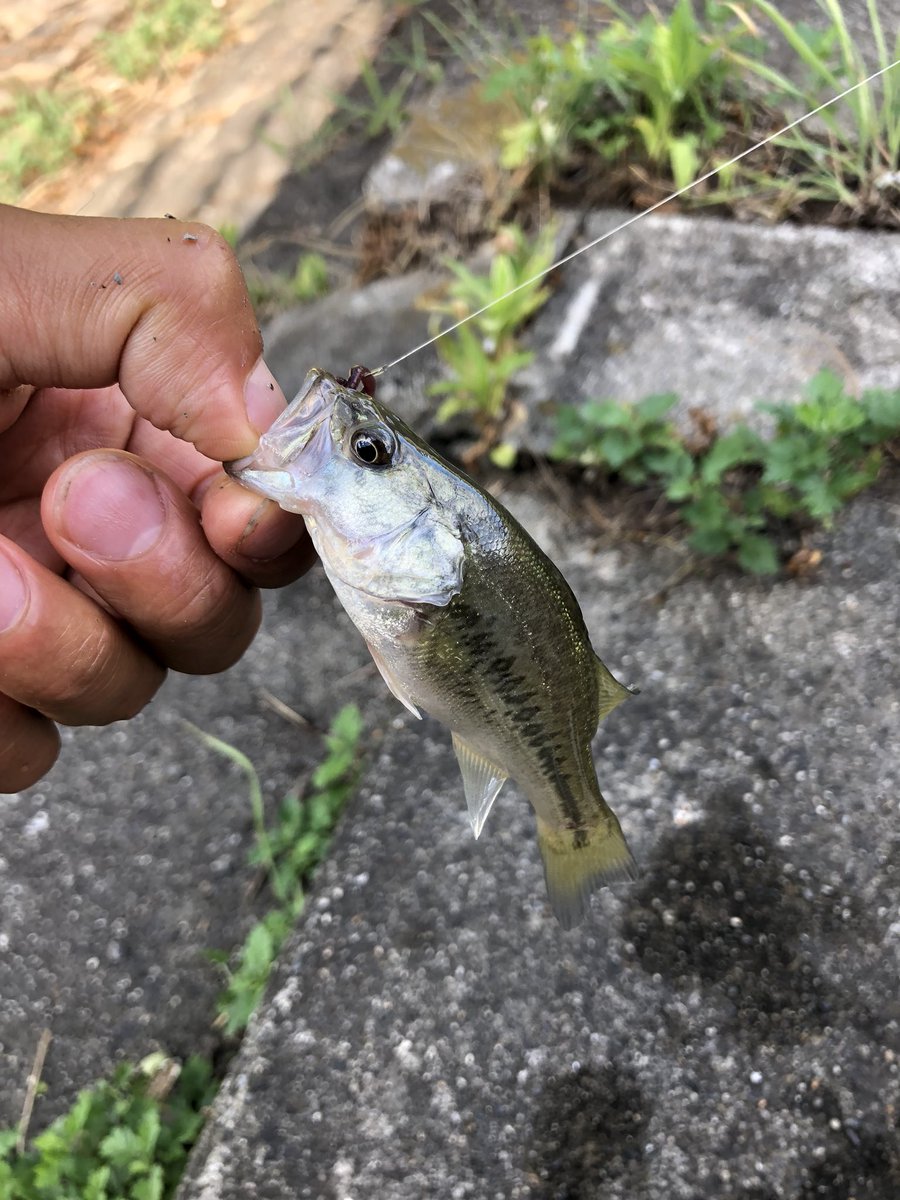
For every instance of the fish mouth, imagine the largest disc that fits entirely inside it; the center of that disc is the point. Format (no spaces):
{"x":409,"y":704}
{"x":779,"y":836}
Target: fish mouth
{"x":294,"y":447}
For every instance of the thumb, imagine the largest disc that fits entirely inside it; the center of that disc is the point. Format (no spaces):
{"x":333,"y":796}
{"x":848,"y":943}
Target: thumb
{"x":158,"y":306}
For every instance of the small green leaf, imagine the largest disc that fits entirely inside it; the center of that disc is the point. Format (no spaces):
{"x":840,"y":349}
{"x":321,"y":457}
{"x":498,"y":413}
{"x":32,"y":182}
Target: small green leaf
{"x":504,"y":456}
{"x":240,"y":1006}
{"x":258,"y":950}
{"x":97,"y":1184}
{"x":681,"y":487}
{"x":310,"y":278}
{"x":882,"y":407}
{"x":684,"y":159}
{"x":756,"y":554}
{"x":655,"y":407}
{"x":740,"y":447}
{"x":607,"y":414}
{"x":619,"y":445}
{"x":710,"y":540}
{"x":121,"y":1148}
{"x":148,"y":1130}
{"x":149,"y":1188}
{"x":347,"y":724}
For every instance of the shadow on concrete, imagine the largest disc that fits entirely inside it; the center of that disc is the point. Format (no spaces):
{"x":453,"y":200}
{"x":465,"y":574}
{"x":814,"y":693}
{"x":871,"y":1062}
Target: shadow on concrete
{"x":589,"y":1130}
{"x":720,"y":904}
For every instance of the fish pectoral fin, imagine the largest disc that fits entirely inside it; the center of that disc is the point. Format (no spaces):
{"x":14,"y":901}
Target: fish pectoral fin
{"x":394,"y":685}
{"x":611,"y":692}
{"x":482,"y":781}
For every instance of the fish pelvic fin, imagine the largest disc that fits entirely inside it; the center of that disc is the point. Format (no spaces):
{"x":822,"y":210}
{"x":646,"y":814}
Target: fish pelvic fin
{"x":610,"y":692}
{"x":482,"y":781}
{"x":576,"y":861}
{"x":395,"y":687}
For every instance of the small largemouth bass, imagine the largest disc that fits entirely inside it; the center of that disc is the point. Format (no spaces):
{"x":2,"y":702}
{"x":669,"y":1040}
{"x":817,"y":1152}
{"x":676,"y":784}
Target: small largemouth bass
{"x":464,"y":615}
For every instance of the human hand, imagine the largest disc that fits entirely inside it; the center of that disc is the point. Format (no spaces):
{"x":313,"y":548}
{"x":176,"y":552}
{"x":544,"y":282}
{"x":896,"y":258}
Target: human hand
{"x":130,"y":368}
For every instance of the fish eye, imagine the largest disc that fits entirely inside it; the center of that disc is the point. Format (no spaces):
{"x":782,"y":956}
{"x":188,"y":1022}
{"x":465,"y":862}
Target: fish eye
{"x":373,"y":447}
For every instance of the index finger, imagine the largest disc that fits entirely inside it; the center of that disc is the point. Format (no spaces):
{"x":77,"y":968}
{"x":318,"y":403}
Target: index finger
{"x":158,"y":306}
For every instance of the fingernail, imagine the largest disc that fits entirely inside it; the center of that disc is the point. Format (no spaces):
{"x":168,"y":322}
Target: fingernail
{"x":13,"y":593}
{"x":263,"y":398}
{"x":270,"y":532}
{"x":110,"y":508}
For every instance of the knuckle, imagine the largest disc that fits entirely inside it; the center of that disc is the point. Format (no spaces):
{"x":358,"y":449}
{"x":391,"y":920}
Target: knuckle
{"x":198,"y":590}
{"x":216,"y":260}
{"x":102,"y":677}
{"x":209,"y":628}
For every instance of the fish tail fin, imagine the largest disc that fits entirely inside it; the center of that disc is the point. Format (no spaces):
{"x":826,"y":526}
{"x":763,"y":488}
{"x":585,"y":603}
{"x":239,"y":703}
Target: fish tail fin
{"x":578,"y":861}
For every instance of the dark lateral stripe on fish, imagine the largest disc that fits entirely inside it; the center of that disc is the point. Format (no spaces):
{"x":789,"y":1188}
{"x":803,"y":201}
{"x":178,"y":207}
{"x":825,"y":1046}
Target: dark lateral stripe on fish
{"x":463,"y":612}
{"x":517,"y":699}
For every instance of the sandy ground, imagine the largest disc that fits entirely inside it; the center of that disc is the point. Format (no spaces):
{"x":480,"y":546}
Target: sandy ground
{"x":210,"y":136}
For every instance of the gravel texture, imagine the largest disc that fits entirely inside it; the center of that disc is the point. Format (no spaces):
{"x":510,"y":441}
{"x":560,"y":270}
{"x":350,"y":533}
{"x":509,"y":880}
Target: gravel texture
{"x":727,"y":1027}
{"x":129,"y":861}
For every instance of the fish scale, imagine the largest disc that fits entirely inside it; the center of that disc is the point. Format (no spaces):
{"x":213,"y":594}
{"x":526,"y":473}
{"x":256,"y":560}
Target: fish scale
{"x":425,"y":584}
{"x":465,"y":617}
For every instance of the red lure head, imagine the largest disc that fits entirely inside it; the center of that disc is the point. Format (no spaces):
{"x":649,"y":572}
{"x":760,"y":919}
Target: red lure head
{"x":360,"y":379}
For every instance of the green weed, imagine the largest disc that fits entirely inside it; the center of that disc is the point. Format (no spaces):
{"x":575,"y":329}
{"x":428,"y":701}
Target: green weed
{"x":414,"y":57}
{"x":272,"y":292}
{"x":38,"y":134}
{"x":634,"y":441}
{"x":158,"y":34}
{"x":231,"y":233}
{"x":824,"y":450}
{"x":469,"y":39}
{"x":855,"y":164}
{"x":127,"y":1138}
{"x":383,"y":107}
{"x":682,"y":92}
{"x":482,"y":356}
{"x":383,"y":110}
{"x":555,"y":87}
{"x":651,"y":87}
{"x":310,"y":278}
{"x":287,"y":852}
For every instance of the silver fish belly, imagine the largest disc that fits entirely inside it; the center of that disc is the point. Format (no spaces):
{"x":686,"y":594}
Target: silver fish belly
{"x":464,"y":615}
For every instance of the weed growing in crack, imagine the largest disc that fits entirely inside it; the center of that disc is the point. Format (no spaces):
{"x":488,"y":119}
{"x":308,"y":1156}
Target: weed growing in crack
{"x":824,"y":450}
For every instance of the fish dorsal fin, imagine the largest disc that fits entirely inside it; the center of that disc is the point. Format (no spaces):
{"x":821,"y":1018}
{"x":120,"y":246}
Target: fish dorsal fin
{"x":396,"y":688}
{"x":611,"y":692}
{"x":482,"y":781}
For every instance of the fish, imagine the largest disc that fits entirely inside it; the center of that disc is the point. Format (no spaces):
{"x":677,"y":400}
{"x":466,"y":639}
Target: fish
{"x":464,"y":615}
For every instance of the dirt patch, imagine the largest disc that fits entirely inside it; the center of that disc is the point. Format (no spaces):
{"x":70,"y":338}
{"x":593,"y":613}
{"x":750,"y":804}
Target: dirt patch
{"x":212,"y":133}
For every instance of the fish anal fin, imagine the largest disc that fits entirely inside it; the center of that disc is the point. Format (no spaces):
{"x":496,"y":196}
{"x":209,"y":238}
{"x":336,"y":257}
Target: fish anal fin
{"x":610,"y":692}
{"x":396,"y":688}
{"x":482,"y":781}
{"x":578,"y":861}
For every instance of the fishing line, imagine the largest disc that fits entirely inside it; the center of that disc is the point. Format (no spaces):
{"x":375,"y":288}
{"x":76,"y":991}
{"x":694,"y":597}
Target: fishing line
{"x":637,"y":217}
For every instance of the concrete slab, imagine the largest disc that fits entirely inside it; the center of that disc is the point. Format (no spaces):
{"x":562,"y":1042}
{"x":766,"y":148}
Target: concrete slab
{"x":129,"y":860}
{"x":733,"y":1018}
{"x":723,"y":314}
{"x":727,"y":1027}
{"x":212,"y":141}
{"x":369,"y":325}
